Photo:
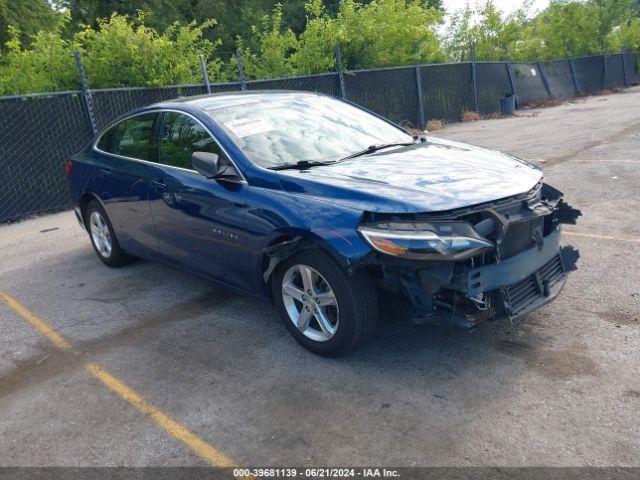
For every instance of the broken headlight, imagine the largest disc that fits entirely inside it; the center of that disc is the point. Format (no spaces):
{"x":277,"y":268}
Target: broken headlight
{"x":426,"y":240}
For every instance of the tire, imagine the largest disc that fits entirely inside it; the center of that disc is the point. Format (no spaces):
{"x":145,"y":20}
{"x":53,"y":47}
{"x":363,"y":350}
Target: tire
{"x":348,"y":319}
{"x":103,"y":237}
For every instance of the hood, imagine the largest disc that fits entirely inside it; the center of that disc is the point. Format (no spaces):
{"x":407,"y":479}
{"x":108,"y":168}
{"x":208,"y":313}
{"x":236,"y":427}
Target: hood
{"x":437,"y":175}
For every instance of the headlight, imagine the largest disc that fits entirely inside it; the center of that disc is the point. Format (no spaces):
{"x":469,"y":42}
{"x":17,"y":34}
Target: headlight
{"x":426,"y":241}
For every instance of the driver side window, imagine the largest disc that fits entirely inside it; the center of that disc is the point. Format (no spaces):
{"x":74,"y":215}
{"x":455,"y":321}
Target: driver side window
{"x":180,"y":137}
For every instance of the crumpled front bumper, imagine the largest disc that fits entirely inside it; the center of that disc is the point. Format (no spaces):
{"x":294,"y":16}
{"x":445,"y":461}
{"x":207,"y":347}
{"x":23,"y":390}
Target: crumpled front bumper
{"x":538,"y":289}
{"x":524,"y":282}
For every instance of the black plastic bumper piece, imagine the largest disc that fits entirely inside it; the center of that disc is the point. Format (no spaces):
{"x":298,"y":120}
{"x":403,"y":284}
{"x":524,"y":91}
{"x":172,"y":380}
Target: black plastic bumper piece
{"x":536,"y":290}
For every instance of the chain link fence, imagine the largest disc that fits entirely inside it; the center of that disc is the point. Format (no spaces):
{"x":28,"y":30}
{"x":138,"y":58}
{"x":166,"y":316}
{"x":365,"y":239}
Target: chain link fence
{"x":390,"y":92}
{"x":40,"y":132}
{"x":447,"y":90}
{"x":559,"y":78}
{"x":37,"y":136}
{"x":492,"y":84}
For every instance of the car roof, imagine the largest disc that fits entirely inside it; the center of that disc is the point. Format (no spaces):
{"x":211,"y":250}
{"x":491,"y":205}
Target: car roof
{"x":215,"y":101}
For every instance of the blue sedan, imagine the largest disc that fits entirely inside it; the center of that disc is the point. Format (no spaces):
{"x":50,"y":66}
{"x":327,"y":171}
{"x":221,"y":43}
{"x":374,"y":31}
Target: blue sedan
{"x":316,"y":205}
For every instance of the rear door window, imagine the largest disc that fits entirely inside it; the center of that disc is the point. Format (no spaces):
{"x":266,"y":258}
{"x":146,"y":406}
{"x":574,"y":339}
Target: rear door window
{"x":133,"y":137}
{"x":180,"y":137}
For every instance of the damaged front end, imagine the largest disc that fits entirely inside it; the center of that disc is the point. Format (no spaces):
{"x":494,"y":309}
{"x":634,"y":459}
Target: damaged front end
{"x":499,"y":259}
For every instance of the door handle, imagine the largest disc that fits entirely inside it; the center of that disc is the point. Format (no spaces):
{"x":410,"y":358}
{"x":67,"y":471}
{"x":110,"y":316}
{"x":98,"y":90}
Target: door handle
{"x":104,"y":172}
{"x":158,"y":184}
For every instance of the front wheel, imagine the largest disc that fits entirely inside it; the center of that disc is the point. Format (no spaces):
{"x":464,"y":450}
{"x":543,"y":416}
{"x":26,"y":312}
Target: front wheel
{"x":328,"y":311}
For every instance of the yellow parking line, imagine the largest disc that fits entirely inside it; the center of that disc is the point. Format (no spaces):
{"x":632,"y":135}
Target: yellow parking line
{"x":42,"y":326}
{"x":174,"y":428}
{"x":168,"y":424}
{"x":601,"y":237}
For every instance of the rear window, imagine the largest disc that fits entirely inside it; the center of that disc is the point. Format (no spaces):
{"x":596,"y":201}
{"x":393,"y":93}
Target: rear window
{"x":133,"y":137}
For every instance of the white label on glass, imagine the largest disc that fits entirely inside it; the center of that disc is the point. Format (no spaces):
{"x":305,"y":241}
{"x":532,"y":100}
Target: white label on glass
{"x":243,"y":127}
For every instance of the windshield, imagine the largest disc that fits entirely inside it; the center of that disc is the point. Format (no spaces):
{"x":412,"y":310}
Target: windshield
{"x":290,"y":128}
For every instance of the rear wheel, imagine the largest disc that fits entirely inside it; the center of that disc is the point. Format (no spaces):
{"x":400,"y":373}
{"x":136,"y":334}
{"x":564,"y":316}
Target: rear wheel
{"x":325,"y":309}
{"x":103,"y":237}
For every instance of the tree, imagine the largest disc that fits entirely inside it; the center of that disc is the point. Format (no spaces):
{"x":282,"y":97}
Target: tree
{"x":117,"y":53}
{"x":626,"y":36}
{"x":568,"y":29}
{"x":158,"y":42}
{"x":46,"y":66}
{"x":275,"y":44}
{"x":235,"y":19}
{"x":493,"y":35}
{"x":379,"y":34}
{"x":158,"y":14}
{"x":142,"y":55}
{"x":27,"y":17}
{"x":609,"y":14}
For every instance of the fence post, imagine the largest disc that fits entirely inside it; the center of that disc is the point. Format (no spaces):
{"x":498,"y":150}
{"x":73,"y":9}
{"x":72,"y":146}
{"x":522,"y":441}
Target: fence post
{"x":421,"y":114}
{"x":545,"y":80}
{"x":576,"y":85}
{"x":624,"y":69}
{"x":243,"y":85}
{"x":512,"y":83}
{"x":339,"y":66}
{"x":88,"y":101}
{"x":205,"y":75}
{"x":474,"y":79}
{"x":604,"y":72}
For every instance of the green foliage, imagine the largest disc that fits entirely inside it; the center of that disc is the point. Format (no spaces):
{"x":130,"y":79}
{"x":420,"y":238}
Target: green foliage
{"x":158,"y":42}
{"x":235,"y":18}
{"x":382,"y":33}
{"x":28,"y":17}
{"x":563,"y":29}
{"x":576,"y":28}
{"x":118,"y":53}
{"x":142,"y":56}
{"x":385,"y":33}
{"x":625,"y":36}
{"x":275,"y":44}
{"x":46,"y":66}
{"x":493,"y":35}
{"x":568,"y":29}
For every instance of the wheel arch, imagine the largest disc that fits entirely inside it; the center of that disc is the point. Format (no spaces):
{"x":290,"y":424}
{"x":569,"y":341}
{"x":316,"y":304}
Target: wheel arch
{"x":284,"y":245}
{"x":85,"y":199}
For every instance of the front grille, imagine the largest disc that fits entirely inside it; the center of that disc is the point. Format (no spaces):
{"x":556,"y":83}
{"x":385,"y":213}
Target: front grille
{"x":552,"y":271}
{"x":536,"y":286}
{"x":523,"y":293}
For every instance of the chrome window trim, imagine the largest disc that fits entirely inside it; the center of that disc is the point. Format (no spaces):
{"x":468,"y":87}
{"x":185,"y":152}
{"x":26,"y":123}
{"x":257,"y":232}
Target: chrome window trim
{"x":243,"y":179}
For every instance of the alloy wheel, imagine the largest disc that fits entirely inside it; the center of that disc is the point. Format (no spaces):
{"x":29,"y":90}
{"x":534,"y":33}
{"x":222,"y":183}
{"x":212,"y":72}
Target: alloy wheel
{"x":100,"y":234}
{"x":310,"y":303}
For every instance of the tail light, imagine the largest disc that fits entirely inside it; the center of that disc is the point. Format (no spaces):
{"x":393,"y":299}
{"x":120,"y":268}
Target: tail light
{"x":67,"y":168}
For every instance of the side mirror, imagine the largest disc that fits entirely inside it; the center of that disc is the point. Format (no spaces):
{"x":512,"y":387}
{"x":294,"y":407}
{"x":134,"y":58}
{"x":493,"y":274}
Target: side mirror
{"x":210,"y":165}
{"x":205,"y":163}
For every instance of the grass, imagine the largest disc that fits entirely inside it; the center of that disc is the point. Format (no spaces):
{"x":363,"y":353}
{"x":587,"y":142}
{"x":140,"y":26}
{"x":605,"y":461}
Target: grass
{"x":469,"y":116}
{"x":433,"y":125}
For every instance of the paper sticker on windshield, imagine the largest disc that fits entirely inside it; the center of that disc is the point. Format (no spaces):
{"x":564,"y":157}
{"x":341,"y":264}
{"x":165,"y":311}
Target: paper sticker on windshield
{"x":243,"y":127}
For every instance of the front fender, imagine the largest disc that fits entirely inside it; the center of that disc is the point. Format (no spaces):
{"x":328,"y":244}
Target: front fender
{"x":276,"y":216}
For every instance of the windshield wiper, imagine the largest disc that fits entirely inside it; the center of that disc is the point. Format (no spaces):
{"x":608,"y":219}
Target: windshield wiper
{"x":302,"y":164}
{"x":375,"y":148}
